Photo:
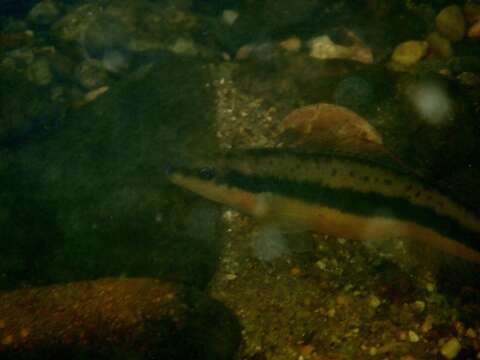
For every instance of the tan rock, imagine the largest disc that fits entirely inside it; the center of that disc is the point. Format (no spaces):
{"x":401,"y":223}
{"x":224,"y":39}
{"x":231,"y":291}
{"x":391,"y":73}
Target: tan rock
{"x":291,"y":44}
{"x":439,"y":45}
{"x":410,"y":52}
{"x":244,"y":52}
{"x":450,"y":22}
{"x":474,"y":31}
{"x":322,"y":47}
{"x":451,"y":348}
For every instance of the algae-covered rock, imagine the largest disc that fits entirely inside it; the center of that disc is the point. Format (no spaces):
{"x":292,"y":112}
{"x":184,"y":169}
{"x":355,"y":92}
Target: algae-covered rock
{"x":451,"y":23}
{"x":103,"y":176}
{"x":440,"y":45}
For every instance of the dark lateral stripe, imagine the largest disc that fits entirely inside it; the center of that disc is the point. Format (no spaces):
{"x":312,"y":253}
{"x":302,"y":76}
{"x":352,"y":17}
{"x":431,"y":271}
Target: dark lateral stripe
{"x":371,"y":161}
{"x":350,"y":201}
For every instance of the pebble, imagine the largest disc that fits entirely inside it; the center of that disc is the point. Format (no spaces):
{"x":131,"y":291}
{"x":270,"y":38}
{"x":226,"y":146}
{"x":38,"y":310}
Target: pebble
{"x":410,"y":52}
{"x":472,"y":12}
{"x":471,"y":333}
{"x":450,"y":22}
{"x":229,"y":16}
{"x":184,"y":46}
{"x":412,"y":336}
{"x":374,"y":301}
{"x":322,"y":47}
{"x":244,"y":52}
{"x":474,"y":31}
{"x":44,"y":13}
{"x":419,"y":306}
{"x":92,"y":95}
{"x":321,"y":264}
{"x":39,"y":72}
{"x":439,"y":45}
{"x":91,"y":74}
{"x":427,"y":324}
{"x":331,"y":312}
{"x":291,"y":44}
{"x":230,"y":277}
{"x":451,"y":348}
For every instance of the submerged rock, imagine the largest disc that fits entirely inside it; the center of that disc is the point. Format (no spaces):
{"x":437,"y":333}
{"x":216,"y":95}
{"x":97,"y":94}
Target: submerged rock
{"x":439,"y":45}
{"x":39,"y":72}
{"x":104,"y":176}
{"x":451,"y":23}
{"x":44,"y":13}
{"x":91,"y":74}
{"x":143,"y":317}
{"x":410,"y":52}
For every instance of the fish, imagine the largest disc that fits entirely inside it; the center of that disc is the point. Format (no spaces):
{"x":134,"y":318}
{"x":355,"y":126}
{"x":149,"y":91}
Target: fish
{"x":338,"y":194}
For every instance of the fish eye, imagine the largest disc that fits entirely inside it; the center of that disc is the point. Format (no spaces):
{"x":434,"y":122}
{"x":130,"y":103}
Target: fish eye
{"x":206,"y":173}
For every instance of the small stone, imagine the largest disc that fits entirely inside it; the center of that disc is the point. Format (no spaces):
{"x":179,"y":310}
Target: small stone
{"x":44,"y":13}
{"x":427,"y":324}
{"x":291,"y":44}
{"x":471,"y":11}
{"x":374,"y":301}
{"x":451,"y":348}
{"x":412,"y":336}
{"x":39,"y":72}
{"x":469,"y":79}
{"x":91,"y":74}
{"x":92,"y":95}
{"x":322,"y":47}
{"x":451,"y":23}
{"x":321,"y":264}
{"x":430,"y":287}
{"x":230,"y":277}
{"x":306,"y":350}
{"x":244,"y":52}
{"x":229,"y":16}
{"x":474,"y":31}
{"x":459,"y":328}
{"x":439,"y":45}
{"x":419,"y":306}
{"x":410,"y":52}
{"x":471,"y":333}
{"x":184,"y":47}
{"x":295,"y":271}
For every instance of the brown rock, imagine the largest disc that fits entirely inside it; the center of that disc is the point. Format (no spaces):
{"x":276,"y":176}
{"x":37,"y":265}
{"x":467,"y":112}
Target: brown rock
{"x":450,"y":22}
{"x":410,"y":52}
{"x":474,"y":31}
{"x":103,"y":314}
{"x":328,"y":124}
{"x":440,"y":45}
{"x":472,"y":12}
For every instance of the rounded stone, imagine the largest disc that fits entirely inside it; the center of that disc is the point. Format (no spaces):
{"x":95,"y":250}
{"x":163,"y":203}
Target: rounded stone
{"x":410,"y":52}
{"x":450,"y":22}
{"x":440,"y":45}
{"x":39,"y":72}
{"x":44,"y":13}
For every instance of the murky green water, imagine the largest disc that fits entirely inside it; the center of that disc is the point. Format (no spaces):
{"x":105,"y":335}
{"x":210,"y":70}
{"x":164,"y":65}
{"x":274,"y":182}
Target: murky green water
{"x":102,"y":257}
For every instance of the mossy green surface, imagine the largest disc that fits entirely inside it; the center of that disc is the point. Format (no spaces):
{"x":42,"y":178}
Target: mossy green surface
{"x":97,"y":189}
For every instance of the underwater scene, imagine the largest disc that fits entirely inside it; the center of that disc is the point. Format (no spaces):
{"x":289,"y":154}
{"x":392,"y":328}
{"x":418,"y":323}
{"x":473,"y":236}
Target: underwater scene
{"x":239,"y":179}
